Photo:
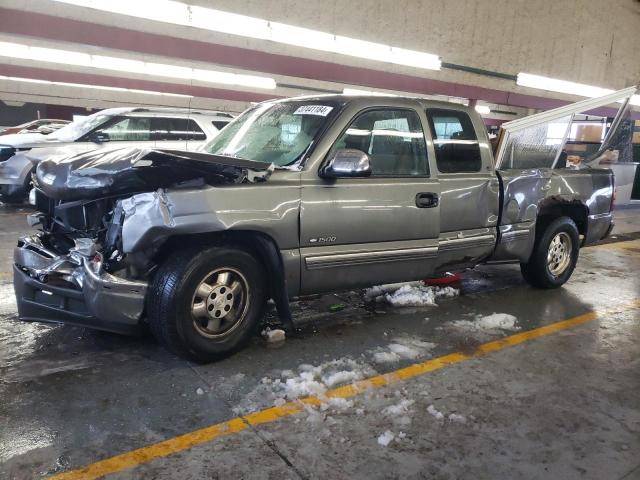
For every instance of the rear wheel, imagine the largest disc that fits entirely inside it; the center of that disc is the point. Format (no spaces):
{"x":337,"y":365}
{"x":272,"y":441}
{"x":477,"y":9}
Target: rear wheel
{"x":206,"y":305}
{"x":554,"y":256}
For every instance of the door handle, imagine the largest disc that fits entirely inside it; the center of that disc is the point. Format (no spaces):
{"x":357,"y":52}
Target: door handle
{"x":427,"y":200}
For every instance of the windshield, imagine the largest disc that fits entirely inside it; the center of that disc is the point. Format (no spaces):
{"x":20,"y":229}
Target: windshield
{"x":277,"y":133}
{"x":77,"y":129}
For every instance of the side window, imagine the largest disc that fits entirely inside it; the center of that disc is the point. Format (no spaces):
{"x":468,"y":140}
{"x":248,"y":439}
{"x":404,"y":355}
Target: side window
{"x":455,"y":141}
{"x":393,"y":139}
{"x":220,"y":124}
{"x":129,"y":129}
{"x":176,"y":129}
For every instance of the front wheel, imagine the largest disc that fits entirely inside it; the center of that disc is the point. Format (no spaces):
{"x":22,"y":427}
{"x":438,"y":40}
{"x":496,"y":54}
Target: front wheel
{"x":554,"y":256}
{"x":207,"y":304}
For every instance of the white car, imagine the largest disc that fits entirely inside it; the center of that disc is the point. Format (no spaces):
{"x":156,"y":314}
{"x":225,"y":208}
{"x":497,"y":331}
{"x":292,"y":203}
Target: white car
{"x":42,"y":125}
{"x":167,"y":128}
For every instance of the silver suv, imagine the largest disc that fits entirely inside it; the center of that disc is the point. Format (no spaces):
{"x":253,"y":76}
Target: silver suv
{"x":173,"y":128}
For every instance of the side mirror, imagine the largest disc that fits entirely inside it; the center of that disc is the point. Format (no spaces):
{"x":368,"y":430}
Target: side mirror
{"x":99,"y":137}
{"x":45,"y":129}
{"x":349,"y":163}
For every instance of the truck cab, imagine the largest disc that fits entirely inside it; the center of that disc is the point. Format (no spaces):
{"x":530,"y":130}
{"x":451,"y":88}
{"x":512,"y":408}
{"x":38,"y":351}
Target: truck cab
{"x":410,"y":216}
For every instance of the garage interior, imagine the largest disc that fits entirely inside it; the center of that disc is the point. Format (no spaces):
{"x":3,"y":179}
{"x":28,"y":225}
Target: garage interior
{"x":489,"y":378}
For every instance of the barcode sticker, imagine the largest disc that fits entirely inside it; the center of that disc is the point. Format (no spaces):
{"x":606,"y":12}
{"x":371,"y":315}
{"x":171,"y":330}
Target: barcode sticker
{"x":321,"y":110}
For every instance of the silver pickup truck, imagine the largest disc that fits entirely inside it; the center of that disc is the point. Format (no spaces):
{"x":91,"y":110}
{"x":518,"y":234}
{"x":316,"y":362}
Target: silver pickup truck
{"x":296,"y":197}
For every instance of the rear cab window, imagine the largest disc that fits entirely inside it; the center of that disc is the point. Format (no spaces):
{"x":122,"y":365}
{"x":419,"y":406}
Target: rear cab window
{"x":455,"y":141}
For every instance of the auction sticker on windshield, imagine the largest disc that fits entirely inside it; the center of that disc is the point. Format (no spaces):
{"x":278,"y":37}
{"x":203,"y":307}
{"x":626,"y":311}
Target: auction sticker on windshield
{"x":321,"y":110}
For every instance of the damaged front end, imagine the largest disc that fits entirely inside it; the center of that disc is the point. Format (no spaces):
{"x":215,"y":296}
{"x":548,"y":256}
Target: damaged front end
{"x":79,"y":268}
{"x":74,"y":287}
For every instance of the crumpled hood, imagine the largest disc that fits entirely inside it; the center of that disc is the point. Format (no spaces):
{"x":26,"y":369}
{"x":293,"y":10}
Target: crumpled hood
{"x":102,"y":173}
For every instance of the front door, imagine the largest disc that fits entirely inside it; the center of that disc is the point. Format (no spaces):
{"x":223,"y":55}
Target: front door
{"x":381,"y":229}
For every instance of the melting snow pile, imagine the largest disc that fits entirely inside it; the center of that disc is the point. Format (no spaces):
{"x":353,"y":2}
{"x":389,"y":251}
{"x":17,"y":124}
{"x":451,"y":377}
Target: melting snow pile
{"x":495,"y":321}
{"x":273,"y":336}
{"x":402,"y":348}
{"x":435,"y":412}
{"x":412,"y":294}
{"x":308,"y":380}
{"x":398,"y":409}
{"x":386,"y":438}
{"x":454,"y":417}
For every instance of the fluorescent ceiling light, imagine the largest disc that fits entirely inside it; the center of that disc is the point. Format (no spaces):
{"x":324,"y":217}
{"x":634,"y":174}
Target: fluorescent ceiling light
{"x":482,"y":109}
{"x":178,"y":13}
{"x":66,"y":57}
{"x":563,"y":86}
{"x":95,"y":87}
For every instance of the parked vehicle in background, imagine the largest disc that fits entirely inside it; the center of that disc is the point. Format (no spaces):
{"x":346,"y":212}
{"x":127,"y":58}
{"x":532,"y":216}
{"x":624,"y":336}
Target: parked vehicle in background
{"x":173,"y":128}
{"x":42,"y":125}
{"x":295,"y":197}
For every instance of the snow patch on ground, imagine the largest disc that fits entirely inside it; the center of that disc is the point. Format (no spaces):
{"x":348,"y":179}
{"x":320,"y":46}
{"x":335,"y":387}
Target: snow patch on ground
{"x":308,"y":380}
{"x":386,"y":438}
{"x":402,"y":348}
{"x":337,"y":403}
{"x":412,"y":294}
{"x":273,"y":336}
{"x":454,"y":417}
{"x":385,"y":357}
{"x":495,"y":321}
{"x":435,"y":412}
{"x":401,"y":408}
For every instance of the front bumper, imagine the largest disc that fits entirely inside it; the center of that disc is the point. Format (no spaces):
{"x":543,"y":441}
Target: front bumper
{"x":74,"y":289}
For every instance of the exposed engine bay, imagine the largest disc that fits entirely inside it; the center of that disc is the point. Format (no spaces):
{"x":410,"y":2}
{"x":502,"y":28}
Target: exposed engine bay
{"x":82,"y":203}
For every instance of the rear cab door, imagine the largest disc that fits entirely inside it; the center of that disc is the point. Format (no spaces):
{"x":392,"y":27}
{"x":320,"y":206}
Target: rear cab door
{"x":470,"y":198}
{"x":381,"y":229}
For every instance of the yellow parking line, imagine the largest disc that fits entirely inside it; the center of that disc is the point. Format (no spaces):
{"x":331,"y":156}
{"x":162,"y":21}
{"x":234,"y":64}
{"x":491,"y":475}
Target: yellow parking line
{"x":197,"y":437}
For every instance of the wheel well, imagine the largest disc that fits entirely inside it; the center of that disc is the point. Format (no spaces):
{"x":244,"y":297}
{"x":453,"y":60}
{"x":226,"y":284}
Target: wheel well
{"x":576,"y":211}
{"x":248,"y":240}
{"x":262,"y":246}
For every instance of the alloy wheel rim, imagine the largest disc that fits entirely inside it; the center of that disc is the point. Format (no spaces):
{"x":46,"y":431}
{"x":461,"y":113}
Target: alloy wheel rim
{"x":559,"y":254}
{"x":220,"y":302}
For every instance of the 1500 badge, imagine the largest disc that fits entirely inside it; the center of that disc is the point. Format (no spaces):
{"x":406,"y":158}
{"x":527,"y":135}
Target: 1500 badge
{"x":329,"y":239}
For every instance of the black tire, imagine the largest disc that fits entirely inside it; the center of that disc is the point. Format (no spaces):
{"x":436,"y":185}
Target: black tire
{"x":21,"y":195}
{"x":172,"y":297}
{"x":551,"y":274}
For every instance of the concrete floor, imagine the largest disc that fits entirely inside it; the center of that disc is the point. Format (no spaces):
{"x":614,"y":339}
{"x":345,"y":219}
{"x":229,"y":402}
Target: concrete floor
{"x":566,"y":405}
